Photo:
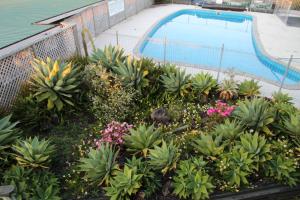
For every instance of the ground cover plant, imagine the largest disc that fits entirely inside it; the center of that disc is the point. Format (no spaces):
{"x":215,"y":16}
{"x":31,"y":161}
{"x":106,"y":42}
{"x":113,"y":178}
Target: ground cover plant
{"x":115,"y":127}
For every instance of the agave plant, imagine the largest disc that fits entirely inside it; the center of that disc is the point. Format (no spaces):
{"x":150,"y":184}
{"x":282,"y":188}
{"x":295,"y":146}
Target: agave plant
{"x":125,"y":184}
{"x":109,"y":57}
{"x":204,"y":83}
{"x":279,"y":97}
{"x":100,"y":165}
{"x":34,"y":153}
{"x":176,"y":82}
{"x":249,"y":88}
{"x":255,"y":114}
{"x":164,"y":157}
{"x":228,"y":89}
{"x":229,"y":130}
{"x":132,"y":73}
{"x":292,"y":127}
{"x":55,"y":83}
{"x":142,"y":139}
{"x":208,"y":145}
{"x":257,"y":147}
{"x":8,"y":132}
{"x":192,"y":182}
{"x":235,"y":167}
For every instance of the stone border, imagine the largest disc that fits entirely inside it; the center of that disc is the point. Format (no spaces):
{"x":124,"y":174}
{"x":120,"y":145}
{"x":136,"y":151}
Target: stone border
{"x":137,"y":53}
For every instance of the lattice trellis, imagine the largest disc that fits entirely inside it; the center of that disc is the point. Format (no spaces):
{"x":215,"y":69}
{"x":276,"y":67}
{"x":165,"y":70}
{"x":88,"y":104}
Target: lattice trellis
{"x":16,"y":69}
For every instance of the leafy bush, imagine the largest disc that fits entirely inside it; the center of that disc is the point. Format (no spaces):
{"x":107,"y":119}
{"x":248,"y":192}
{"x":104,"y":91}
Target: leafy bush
{"x":109,"y":57}
{"x":191,"y":181}
{"x":228,"y":89}
{"x":292,"y":127}
{"x":208,"y":145}
{"x":132,"y":73}
{"x":203,"y":83}
{"x":164,"y":157}
{"x":55,"y":83}
{"x":176,"y":82}
{"x":100,"y":165}
{"x":142,"y":139}
{"x":279,"y":97}
{"x":34,"y":153}
{"x":8,"y":133}
{"x":249,"y":88}
{"x":235,"y":167}
{"x":125,"y":184}
{"x":35,"y":185}
{"x":114,"y":133}
{"x":255,"y":114}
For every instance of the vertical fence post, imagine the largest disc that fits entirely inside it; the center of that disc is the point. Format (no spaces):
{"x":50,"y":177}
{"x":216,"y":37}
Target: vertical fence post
{"x":220,"y":62}
{"x":285,"y":73}
{"x":117,"y":37}
{"x":165,"y":49}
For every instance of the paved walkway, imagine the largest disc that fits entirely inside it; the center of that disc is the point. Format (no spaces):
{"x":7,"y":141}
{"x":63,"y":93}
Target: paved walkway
{"x":270,"y":29}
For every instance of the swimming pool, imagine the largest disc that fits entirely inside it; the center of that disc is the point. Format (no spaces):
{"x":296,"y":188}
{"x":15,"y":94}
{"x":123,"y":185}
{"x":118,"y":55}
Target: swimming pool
{"x":196,"y":37}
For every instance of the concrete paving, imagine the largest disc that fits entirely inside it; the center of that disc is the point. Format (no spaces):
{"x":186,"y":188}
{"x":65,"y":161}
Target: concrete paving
{"x":278,"y":40}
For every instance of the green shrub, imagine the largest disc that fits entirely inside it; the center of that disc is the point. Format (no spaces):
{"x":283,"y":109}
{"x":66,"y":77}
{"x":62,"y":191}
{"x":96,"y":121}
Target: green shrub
{"x":208,"y":145}
{"x":249,"y":88}
{"x":204,"y":83}
{"x":55,"y":83}
{"x":292,"y":127}
{"x":132,"y":73}
{"x":34,"y":153}
{"x":109,"y":57}
{"x":8,"y":133}
{"x":164,"y":157}
{"x":125,"y":184}
{"x":228,"y":89}
{"x":191,"y":181}
{"x":279,"y":97}
{"x":100,"y":165}
{"x":257,"y":147}
{"x":142,"y":139}
{"x":176,"y":82}
{"x":35,"y":185}
{"x":255,"y":114}
{"x":235,"y":167}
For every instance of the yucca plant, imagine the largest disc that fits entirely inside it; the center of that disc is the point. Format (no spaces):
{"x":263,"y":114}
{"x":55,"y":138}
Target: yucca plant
{"x":257,"y":147}
{"x":203,"y":83}
{"x":109,"y":57}
{"x":291,"y":126}
{"x":8,"y":132}
{"x":132,"y":73}
{"x":191,"y":181}
{"x":279,"y":97}
{"x":125,"y":184}
{"x":55,"y":83}
{"x":255,"y":114}
{"x":229,"y":130}
{"x":164,"y":157}
{"x":100,"y":164}
{"x":208,"y":145}
{"x":249,"y":88}
{"x":235,"y":167}
{"x":228,"y":89}
{"x":142,"y":139}
{"x":176,"y":82}
{"x":34,"y":153}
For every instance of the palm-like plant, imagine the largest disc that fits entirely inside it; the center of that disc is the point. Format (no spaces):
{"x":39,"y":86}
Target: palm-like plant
{"x":176,"y":82}
{"x":249,"y":88}
{"x":164,"y":157}
{"x":228,"y":89}
{"x":255,"y":114}
{"x":100,"y":165}
{"x":132,"y":73}
{"x":8,"y":132}
{"x":55,"y":83}
{"x":109,"y":57}
{"x":204,"y":83}
{"x":142,"y":139}
{"x":34,"y":153}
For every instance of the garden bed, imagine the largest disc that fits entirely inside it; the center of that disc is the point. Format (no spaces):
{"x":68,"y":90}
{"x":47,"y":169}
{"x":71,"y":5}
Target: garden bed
{"x":113,"y":127}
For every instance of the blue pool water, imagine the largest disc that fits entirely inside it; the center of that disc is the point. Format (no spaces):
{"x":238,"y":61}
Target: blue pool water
{"x":196,"y":37}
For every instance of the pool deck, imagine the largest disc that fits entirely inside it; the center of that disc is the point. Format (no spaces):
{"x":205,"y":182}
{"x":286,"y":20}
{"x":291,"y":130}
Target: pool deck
{"x":278,"y":40}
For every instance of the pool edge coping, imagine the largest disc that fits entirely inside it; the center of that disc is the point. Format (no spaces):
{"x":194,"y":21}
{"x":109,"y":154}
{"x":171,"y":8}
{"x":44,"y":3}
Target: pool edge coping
{"x":137,"y":53}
